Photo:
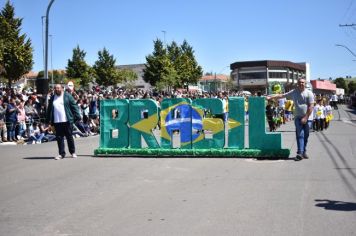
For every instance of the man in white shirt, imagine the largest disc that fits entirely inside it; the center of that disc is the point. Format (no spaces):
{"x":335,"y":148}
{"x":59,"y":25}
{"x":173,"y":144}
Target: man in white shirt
{"x":62,"y":112}
{"x":333,"y":101}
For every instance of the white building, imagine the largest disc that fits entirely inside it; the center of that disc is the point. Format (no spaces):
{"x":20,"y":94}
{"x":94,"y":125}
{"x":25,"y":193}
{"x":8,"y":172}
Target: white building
{"x":256,"y":76}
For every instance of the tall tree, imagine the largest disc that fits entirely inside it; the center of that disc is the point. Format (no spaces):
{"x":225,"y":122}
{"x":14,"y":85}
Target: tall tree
{"x":187,"y":69}
{"x":16,"y":59}
{"x":341,"y":83}
{"x":127,"y":77}
{"x":190,"y":71}
{"x":174,"y":52}
{"x":352,"y":87}
{"x":156,"y":63}
{"x":105,"y":70}
{"x":169,"y":78}
{"x":77,"y":68}
{"x":58,"y":76}
{"x":174,"y":66}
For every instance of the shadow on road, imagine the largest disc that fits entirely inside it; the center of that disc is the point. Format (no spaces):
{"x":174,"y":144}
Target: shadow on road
{"x":336,"y":205}
{"x":38,"y":158}
{"x":342,"y":158}
{"x":328,"y":145}
{"x":351,"y":109}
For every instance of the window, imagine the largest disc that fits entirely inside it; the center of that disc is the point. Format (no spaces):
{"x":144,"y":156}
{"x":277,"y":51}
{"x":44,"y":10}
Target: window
{"x":252,"y":75}
{"x":277,"y":75}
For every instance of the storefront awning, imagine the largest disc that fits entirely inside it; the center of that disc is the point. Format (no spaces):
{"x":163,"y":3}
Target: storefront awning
{"x":323,"y":85}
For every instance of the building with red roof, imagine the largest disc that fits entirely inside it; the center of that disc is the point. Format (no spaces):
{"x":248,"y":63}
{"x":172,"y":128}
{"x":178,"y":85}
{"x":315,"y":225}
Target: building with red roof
{"x":323,"y":87}
{"x":214,"y":83}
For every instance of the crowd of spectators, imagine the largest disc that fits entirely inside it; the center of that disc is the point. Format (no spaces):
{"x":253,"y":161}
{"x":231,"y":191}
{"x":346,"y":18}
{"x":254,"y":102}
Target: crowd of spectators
{"x":22,"y":114}
{"x":22,"y":117}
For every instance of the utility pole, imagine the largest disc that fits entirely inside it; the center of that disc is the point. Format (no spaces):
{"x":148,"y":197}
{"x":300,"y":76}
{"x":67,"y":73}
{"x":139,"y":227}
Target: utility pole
{"x":51,"y":61}
{"x":164,"y":37}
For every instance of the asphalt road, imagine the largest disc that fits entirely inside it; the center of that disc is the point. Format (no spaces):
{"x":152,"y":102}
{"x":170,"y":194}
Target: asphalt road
{"x":182,"y":196}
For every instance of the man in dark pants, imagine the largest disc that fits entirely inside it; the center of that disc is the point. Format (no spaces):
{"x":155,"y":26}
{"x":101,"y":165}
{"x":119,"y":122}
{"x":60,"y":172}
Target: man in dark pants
{"x":62,"y":112}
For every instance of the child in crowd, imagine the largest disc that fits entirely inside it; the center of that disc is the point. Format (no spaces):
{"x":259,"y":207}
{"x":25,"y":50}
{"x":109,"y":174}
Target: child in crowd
{"x":270,"y":109}
{"x":319,"y":114}
{"x":289,"y":110}
{"x":36,"y":135}
{"x":21,"y":120}
{"x":49,"y":135}
{"x":328,"y":115}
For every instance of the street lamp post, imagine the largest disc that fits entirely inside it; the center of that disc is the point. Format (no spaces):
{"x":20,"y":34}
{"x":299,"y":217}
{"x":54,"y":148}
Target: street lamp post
{"x":43,"y":51}
{"x":51,"y":36}
{"x":46,"y":39}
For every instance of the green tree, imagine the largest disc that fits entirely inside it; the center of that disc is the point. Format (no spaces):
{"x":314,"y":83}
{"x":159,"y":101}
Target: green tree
{"x":172,"y":67}
{"x":16,"y":59}
{"x":169,"y":78}
{"x":155,"y":64}
{"x":230,"y":84}
{"x":128,"y":77}
{"x":352,"y":87}
{"x":174,"y":53}
{"x":341,"y":83}
{"x":77,"y":67}
{"x":58,"y":76}
{"x":105,"y":70}
{"x":189,"y":72}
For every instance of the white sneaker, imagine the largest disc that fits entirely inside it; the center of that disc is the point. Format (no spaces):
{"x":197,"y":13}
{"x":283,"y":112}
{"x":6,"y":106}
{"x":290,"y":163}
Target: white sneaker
{"x":74,"y":155}
{"x":58,"y":157}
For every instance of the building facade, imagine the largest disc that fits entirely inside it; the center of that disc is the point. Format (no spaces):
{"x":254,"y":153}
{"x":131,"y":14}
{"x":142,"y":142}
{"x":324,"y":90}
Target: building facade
{"x":213,"y":83}
{"x":323,"y":87}
{"x":257,"y":76}
{"x":138,"y":69}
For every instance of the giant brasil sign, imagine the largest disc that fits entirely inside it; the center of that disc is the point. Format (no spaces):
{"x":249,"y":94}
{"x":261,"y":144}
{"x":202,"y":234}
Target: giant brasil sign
{"x":124,"y":123}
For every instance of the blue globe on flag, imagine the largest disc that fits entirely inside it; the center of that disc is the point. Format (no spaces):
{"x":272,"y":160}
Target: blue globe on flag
{"x":185,"y":119}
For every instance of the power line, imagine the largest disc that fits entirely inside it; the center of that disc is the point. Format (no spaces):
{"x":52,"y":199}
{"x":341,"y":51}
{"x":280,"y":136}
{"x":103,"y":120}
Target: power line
{"x":348,"y":9}
{"x":340,"y":45}
{"x":347,"y":25}
{"x":349,"y":30}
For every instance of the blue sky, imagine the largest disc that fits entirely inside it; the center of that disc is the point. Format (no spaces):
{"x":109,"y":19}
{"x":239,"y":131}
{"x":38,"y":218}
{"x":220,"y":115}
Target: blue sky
{"x":220,"y":31}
